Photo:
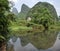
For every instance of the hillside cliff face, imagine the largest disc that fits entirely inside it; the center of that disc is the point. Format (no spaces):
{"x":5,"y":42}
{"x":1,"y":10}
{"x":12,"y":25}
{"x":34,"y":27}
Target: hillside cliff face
{"x":15,"y":11}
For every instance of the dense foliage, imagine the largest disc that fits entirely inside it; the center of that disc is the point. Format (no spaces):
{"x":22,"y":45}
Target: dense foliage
{"x":4,"y":6}
{"x":3,"y":19}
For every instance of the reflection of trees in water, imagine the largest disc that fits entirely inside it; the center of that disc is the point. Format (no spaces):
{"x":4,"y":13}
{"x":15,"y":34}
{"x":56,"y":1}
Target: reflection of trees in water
{"x":59,"y":35}
{"x":10,"y":47}
{"x":14,"y":38}
{"x":24,"y":40}
{"x":10,"y":44}
{"x":41,"y":40}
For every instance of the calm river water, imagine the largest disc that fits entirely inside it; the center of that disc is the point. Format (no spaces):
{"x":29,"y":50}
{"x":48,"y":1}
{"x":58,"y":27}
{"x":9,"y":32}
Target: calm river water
{"x":23,"y":44}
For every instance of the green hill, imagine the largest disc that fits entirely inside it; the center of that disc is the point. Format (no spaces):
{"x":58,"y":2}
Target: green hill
{"x":38,"y":8}
{"x":24,"y":11}
{"x":43,"y":13}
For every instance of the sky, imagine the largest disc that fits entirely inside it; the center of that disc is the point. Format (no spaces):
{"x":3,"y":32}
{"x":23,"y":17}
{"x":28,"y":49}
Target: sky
{"x":31,"y":3}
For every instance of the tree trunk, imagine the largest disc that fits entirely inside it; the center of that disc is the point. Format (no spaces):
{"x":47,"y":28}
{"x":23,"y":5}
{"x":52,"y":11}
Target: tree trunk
{"x":3,"y":47}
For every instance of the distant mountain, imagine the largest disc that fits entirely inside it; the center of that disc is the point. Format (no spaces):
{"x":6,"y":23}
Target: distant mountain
{"x":24,"y":8}
{"x":24,"y":11}
{"x":15,"y":11}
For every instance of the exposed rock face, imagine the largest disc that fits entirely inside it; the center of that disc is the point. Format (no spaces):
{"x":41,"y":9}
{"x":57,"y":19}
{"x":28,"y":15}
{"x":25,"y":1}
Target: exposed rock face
{"x":15,"y":11}
{"x":24,"y":8}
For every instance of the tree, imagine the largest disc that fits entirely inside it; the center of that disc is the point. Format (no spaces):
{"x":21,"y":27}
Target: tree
{"x":4,"y":6}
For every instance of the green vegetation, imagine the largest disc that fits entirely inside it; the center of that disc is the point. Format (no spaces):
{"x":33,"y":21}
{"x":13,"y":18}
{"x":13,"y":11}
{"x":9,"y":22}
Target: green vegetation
{"x":43,"y":17}
{"x":4,"y":6}
{"x":3,"y":19}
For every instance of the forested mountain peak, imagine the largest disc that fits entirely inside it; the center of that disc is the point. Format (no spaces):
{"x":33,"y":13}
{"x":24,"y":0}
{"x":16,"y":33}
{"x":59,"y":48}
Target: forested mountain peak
{"x":42,"y":7}
{"x":49,"y":6}
{"x":24,"y":8}
{"x":24,"y":11}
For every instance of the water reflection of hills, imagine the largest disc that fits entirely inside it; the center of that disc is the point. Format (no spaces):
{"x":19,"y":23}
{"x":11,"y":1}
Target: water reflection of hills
{"x":41,"y":40}
{"x":31,"y":43}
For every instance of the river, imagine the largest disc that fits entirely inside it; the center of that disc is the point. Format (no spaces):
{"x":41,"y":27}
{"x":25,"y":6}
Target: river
{"x":25,"y":45}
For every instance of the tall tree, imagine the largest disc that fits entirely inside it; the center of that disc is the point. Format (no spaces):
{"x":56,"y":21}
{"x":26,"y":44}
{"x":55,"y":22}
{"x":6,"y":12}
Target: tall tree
{"x":4,"y":6}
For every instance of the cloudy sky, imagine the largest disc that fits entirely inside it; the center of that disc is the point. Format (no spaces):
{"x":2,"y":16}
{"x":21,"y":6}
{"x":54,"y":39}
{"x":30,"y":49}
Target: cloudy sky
{"x":31,"y":3}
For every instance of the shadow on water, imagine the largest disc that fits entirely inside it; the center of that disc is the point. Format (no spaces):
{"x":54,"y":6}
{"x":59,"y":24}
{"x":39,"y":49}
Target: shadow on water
{"x":36,"y":41}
